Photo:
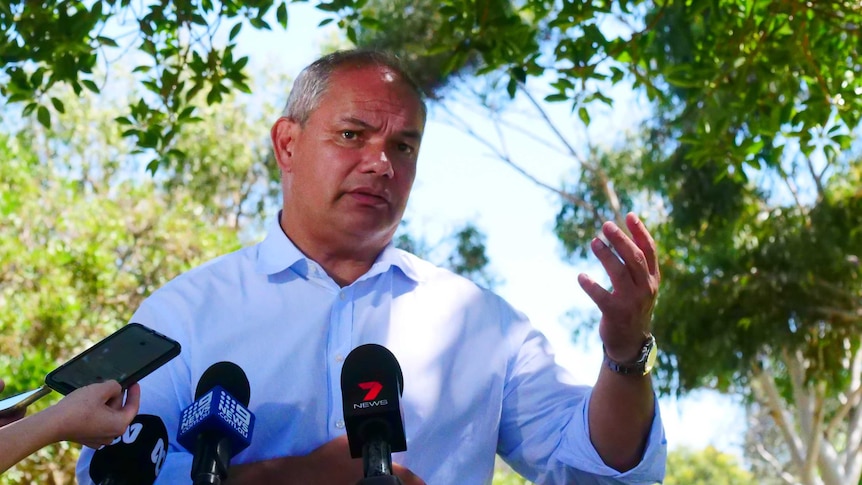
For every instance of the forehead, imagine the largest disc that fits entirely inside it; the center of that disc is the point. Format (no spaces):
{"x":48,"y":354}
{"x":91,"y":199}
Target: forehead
{"x":371,"y":91}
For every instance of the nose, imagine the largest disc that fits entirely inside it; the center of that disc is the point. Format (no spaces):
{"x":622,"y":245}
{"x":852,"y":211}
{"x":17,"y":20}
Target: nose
{"x":377,"y":162}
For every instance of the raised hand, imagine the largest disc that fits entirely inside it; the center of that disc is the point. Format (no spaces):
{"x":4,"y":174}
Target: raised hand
{"x":627,"y":307}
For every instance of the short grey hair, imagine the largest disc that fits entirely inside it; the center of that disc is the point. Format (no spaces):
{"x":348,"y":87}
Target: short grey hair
{"x":312,"y":83}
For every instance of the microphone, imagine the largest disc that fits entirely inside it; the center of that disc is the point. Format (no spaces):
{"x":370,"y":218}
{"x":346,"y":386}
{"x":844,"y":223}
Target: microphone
{"x":218,"y":425}
{"x":371,"y":388}
{"x":135,"y":457}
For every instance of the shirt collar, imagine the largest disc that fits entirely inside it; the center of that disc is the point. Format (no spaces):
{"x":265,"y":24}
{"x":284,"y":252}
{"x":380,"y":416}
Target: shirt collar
{"x":277,"y":253}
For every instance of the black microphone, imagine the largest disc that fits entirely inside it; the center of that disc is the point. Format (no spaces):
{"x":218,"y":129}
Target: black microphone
{"x":371,"y":388}
{"x":135,"y":457}
{"x":218,"y":425}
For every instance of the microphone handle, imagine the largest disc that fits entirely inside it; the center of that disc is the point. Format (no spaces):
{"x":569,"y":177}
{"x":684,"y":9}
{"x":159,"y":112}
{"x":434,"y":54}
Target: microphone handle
{"x":112,"y":481}
{"x":211,"y":459}
{"x":376,"y":458}
{"x":381,"y":480}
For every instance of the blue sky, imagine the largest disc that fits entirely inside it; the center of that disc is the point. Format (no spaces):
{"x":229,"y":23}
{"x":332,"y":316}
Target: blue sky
{"x":459,"y":181}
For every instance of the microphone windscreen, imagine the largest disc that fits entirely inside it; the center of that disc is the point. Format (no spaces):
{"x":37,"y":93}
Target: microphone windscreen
{"x":220,"y":409}
{"x":229,"y":376}
{"x":371,"y":388}
{"x":135,"y":457}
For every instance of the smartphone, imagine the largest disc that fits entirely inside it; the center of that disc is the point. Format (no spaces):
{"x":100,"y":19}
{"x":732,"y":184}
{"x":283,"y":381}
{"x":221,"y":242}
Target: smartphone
{"x":20,"y":401}
{"x":126,"y":356}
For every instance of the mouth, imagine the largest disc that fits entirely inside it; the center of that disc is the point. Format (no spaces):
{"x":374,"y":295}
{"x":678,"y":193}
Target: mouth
{"x":369,"y":196}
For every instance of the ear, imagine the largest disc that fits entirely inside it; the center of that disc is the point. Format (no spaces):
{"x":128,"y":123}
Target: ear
{"x":283,"y":135}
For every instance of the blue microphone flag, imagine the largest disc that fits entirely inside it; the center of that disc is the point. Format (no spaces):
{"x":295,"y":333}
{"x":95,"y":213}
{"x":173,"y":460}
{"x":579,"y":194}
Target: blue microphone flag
{"x":216,"y":411}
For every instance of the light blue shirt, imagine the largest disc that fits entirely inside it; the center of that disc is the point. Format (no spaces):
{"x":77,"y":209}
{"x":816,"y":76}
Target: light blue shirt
{"x":478,"y":379}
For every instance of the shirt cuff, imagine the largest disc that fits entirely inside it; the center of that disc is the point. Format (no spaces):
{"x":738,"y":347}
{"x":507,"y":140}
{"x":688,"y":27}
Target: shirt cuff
{"x":579,"y":452}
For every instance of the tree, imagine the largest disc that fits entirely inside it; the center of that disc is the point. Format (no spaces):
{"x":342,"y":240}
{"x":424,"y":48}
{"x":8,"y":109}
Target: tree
{"x":705,"y":467}
{"x":463,"y":252}
{"x":746,"y":170}
{"x":88,"y":234}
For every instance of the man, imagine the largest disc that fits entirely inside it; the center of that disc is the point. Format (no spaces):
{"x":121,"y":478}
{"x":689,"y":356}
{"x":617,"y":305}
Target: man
{"x":93,"y":415}
{"x":478,"y":379}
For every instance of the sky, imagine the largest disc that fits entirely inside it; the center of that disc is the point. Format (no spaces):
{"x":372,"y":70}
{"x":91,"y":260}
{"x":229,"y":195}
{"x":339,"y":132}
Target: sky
{"x":458,"y":181}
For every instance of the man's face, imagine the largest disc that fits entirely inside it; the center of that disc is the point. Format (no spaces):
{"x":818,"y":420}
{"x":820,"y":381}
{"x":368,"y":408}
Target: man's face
{"x":347,"y":173}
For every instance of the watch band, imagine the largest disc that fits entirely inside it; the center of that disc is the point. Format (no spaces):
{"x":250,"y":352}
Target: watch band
{"x":640,"y":367}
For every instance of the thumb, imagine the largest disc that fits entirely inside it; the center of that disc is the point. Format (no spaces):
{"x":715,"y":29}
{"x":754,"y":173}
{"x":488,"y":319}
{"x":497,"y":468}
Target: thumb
{"x":133,"y":401}
{"x":110,"y":393}
{"x":106,"y":390}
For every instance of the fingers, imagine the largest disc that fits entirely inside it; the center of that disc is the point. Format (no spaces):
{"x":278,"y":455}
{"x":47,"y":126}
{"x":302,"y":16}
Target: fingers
{"x":644,"y":241}
{"x":112,"y":394}
{"x":407,"y":477}
{"x":133,"y":401}
{"x":632,"y":266}
{"x":600,"y":296}
{"x":633,"y":269}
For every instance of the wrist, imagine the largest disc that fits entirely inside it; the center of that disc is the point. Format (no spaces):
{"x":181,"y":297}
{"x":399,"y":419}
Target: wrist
{"x":625,"y":349}
{"x":639,"y":363}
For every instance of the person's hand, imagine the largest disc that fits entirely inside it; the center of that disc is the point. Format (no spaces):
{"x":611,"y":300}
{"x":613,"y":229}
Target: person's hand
{"x":11,"y":417}
{"x":334,"y":460}
{"x":330,"y":464}
{"x":94,"y":415}
{"x":627,"y":308}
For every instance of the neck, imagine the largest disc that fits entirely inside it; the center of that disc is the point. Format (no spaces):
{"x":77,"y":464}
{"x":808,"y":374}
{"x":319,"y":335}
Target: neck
{"x":344,"y":264}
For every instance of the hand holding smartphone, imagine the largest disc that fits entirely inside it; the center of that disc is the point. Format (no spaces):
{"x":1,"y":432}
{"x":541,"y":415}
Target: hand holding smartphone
{"x":126,"y":356}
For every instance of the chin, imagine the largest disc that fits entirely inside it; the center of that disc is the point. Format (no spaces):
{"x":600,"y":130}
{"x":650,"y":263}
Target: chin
{"x":378,"y":235}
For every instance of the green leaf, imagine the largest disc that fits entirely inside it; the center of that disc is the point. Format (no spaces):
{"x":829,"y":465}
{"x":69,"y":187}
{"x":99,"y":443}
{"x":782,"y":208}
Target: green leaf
{"x":584,"y":115}
{"x":44,"y":116}
{"x":281,"y":15}
{"x":29,"y":108}
{"x":242,"y":87}
{"x":90,"y":85}
{"x":107,"y":41}
{"x":58,"y":105}
{"x":234,"y":31}
{"x":512,"y":87}
{"x":153,"y":166}
{"x":556,"y":97}
{"x":328,"y":7}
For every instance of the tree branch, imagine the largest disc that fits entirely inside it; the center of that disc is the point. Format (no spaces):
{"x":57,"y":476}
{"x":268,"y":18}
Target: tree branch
{"x":610,"y":193}
{"x":506,"y":158}
{"x":853,"y":451}
{"x":816,"y":437}
{"x":771,"y":400}
{"x":776,"y":465}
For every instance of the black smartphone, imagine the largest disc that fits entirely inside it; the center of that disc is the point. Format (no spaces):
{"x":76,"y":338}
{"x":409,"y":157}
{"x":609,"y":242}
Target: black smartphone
{"x":126,"y":356}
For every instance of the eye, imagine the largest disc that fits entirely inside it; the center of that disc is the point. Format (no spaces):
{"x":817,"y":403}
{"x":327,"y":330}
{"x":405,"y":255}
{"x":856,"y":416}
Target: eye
{"x":405,"y":148}
{"x":349,"y":135}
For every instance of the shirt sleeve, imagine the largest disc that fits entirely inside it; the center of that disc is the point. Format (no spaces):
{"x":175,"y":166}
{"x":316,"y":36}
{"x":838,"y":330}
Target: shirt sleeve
{"x":544,"y":426}
{"x":164,"y":393}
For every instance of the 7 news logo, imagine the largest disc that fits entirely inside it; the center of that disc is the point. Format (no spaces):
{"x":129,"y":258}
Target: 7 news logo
{"x":372,"y":389}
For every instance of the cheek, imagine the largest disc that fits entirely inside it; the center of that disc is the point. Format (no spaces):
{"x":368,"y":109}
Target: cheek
{"x":404,"y":181}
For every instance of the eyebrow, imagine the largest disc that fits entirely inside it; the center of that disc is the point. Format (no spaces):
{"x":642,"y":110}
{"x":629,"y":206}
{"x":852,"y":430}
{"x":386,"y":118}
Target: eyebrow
{"x":412,"y":134}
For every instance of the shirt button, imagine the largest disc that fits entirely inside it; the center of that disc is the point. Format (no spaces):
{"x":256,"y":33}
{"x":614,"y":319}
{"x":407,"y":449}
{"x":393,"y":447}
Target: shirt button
{"x":339,"y":358}
{"x":342,"y":295}
{"x":339,"y":424}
